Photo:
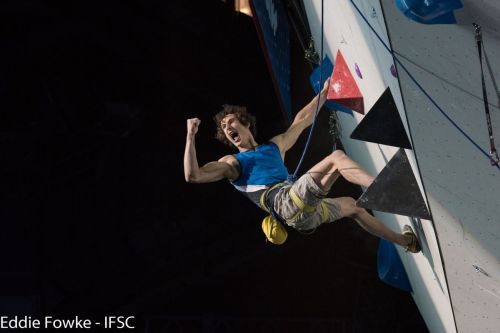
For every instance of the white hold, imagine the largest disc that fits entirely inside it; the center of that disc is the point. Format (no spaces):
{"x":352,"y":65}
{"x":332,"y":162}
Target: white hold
{"x":336,"y":87}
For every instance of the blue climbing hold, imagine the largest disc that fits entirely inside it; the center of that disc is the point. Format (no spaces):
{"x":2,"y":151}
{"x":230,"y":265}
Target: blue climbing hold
{"x":430,"y":11}
{"x":316,"y":85}
{"x":390,"y":268}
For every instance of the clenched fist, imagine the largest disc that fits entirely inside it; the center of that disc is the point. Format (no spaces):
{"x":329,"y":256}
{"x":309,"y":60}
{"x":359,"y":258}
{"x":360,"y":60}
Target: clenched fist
{"x":192,"y":126}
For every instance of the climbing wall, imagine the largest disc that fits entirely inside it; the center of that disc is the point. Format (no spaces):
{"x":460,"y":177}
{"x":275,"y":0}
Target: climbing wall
{"x":451,"y":147}
{"x":374,"y":73}
{"x":440,"y":156}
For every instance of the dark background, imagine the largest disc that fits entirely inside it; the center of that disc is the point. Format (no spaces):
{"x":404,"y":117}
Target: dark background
{"x":96,"y":217}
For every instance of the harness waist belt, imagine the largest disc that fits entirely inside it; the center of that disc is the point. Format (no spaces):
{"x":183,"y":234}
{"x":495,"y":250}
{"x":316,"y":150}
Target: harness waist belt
{"x":267,"y":200}
{"x":267,"y":203}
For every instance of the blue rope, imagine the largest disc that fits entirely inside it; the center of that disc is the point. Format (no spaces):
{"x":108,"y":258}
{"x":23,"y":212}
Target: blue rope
{"x":420,"y":86}
{"x":293,"y":178}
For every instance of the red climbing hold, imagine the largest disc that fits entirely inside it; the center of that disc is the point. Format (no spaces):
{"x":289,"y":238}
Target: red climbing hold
{"x":343,"y":88}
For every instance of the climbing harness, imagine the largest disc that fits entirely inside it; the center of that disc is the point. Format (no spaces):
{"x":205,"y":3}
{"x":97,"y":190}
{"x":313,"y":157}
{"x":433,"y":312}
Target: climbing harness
{"x":273,"y":224}
{"x":479,"y":41}
{"x":267,"y":199}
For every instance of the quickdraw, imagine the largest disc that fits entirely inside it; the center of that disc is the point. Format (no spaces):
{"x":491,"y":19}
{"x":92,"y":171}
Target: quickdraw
{"x":493,"y":152}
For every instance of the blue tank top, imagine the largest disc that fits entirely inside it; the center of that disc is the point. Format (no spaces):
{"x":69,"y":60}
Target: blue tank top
{"x":259,"y":169}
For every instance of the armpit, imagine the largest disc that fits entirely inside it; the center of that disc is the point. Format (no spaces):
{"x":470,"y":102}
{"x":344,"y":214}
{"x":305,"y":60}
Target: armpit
{"x":234,"y":166}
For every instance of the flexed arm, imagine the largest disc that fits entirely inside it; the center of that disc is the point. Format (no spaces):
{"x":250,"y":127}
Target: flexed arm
{"x":226,"y":167}
{"x":302,"y":120}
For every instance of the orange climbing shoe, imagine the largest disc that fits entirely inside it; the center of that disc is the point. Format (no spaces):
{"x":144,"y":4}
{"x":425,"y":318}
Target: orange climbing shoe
{"x":414,"y":246}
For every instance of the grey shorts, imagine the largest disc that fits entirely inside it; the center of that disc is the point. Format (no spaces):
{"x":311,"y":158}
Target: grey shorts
{"x":311,"y":194}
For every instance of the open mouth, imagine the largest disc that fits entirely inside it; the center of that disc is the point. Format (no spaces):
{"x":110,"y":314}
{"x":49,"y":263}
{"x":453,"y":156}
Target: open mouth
{"x":234,"y":136}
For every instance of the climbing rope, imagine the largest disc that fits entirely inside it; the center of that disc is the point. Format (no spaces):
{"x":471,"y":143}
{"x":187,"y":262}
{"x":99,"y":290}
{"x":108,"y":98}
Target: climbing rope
{"x":292,"y":178}
{"x":493,"y":152}
{"x":440,"y":109}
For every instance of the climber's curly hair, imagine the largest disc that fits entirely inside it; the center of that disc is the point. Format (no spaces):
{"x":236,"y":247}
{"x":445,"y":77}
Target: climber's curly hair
{"x":243,"y":116}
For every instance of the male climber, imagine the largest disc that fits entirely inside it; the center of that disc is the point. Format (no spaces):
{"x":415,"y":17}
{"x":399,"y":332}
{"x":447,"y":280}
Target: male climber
{"x":258,"y":171}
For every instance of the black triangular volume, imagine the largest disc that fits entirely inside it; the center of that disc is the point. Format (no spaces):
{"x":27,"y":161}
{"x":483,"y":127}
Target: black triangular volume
{"x":395,"y":190}
{"x":382,"y":124}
